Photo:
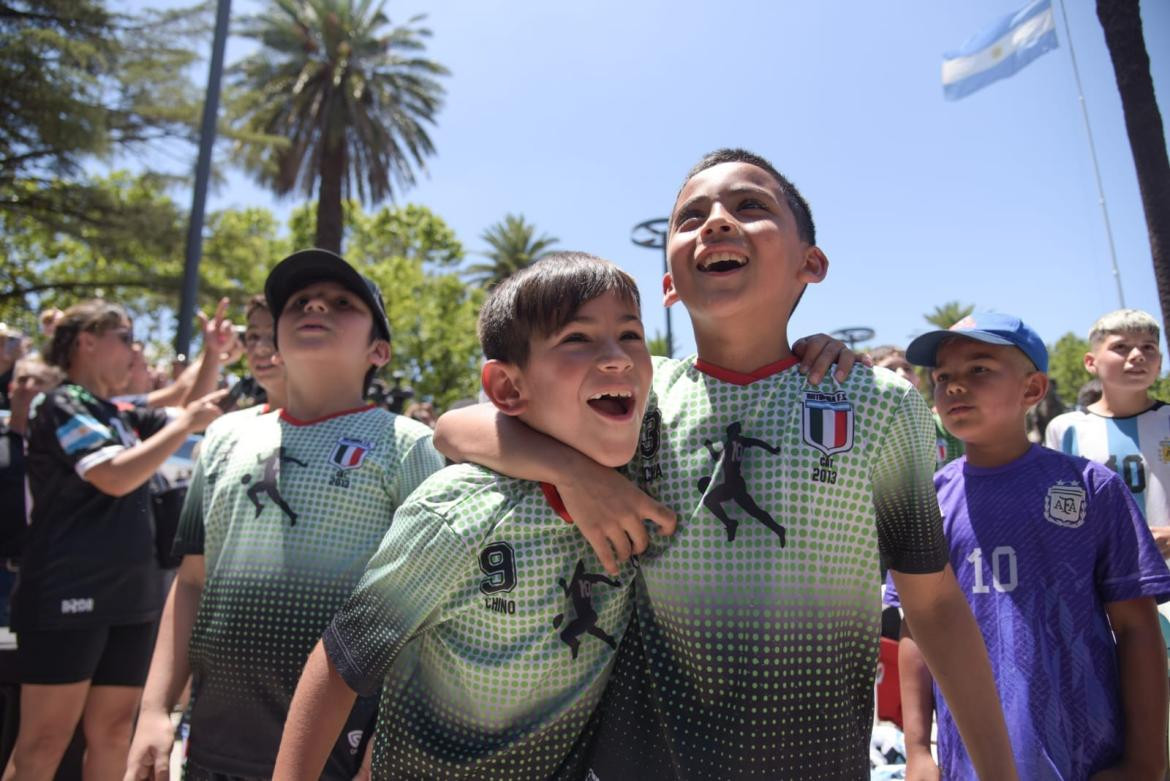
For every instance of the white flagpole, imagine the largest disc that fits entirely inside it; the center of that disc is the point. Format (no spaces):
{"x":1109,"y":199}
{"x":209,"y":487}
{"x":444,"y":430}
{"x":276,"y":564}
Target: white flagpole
{"x":1093,"y":154}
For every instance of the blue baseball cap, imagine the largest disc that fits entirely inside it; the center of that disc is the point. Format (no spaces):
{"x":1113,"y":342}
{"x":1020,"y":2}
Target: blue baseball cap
{"x":988,"y":327}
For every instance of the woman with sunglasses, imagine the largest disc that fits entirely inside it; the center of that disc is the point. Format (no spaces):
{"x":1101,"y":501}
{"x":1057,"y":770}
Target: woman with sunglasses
{"x":89,"y":590}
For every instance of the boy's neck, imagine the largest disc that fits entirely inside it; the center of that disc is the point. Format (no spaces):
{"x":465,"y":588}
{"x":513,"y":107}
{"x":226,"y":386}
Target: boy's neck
{"x":998,"y":451}
{"x":1120,"y":403}
{"x":316,"y":397}
{"x":742,"y":351}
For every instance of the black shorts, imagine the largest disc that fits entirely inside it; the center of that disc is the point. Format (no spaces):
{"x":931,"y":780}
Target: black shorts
{"x":105,"y":656}
{"x":194,"y":772}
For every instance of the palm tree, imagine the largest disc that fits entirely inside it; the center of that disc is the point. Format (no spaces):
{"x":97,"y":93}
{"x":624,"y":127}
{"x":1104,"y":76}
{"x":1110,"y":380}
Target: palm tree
{"x":513,"y":246}
{"x":1122,"y":23}
{"x":334,"y":100}
{"x":948,"y":314}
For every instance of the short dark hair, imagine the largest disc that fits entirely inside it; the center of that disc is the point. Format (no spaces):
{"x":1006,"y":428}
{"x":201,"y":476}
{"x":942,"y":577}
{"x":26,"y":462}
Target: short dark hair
{"x":542,"y":298}
{"x":96,"y":316}
{"x":257,"y":301}
{"x":805,"y":227}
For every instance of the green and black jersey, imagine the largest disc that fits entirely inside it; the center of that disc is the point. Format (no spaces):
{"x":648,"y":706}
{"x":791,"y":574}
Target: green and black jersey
{"x":491,"y":626}
{"x":756,"y":640}
{"x":286,"y":514}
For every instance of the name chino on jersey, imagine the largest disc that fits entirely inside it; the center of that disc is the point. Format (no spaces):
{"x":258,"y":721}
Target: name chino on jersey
{"x":490,"y":626}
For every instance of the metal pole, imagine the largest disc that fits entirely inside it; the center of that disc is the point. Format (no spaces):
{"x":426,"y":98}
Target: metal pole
{"x":202,"y":174}
{"x":1093,"y":154}
{"x":652,"y":235}
{"x":669,"y":330}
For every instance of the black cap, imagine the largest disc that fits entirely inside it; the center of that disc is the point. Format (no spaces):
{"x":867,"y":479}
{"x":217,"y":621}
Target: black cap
{"x":303,"y":268}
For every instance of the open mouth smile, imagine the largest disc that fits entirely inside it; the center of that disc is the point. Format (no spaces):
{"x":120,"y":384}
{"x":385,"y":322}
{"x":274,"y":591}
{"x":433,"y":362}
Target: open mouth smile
{"x":618,"y":405}
{"x":718,"y":262}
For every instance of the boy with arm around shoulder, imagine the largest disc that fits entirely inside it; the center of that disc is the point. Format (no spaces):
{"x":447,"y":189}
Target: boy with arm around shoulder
{"x":757,"y":628}
{"x":1058,"y":567}
{"x":284,"y":510}
{"x":485,"y":617}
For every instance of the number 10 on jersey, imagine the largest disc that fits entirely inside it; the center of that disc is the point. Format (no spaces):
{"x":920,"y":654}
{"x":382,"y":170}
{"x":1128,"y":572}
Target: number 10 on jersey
{"x":1003,"y":570}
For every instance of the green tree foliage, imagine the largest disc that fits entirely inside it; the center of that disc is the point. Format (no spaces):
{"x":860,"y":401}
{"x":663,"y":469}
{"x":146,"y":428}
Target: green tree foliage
{"x":335,"y":100}
{"x":1066,"y":366}
{"x":409,"y":251}
{"x":512,"y":245}
{"x":658,"y":345}
{"x":948,"y":314}
{"x":80,"y":84}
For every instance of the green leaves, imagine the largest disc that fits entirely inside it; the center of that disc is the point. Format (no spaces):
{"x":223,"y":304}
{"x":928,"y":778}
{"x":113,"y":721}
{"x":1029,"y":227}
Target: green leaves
{"x":512,"y":245}
{"x":351,"y":102}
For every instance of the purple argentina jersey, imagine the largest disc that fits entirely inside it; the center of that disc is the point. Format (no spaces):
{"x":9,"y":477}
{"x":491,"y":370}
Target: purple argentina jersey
{"x":1039,"y":547}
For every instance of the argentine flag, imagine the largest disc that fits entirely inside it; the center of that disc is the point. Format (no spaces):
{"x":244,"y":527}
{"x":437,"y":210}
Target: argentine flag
{"x":1000,"y":50}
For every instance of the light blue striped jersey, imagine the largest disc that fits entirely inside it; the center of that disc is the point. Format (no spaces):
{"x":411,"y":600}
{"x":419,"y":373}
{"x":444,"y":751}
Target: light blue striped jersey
{"x":1137,"y":448}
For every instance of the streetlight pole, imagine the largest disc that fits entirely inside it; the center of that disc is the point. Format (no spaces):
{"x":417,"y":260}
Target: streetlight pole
{"x":651,"y":234}
{"x":202,"y":174}
{"x":854,"y":335}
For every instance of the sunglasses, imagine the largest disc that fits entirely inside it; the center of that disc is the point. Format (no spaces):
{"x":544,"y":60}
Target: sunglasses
{"x":124,"y":336}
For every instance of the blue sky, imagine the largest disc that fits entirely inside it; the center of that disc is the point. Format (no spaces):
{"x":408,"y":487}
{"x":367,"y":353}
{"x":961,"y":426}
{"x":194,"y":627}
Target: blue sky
{"x":584,"y":117}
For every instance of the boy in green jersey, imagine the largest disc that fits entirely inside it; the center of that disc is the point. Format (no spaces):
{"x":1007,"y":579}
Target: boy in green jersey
{"x":284,"y":510}
{"x":484,"y":616}
{"x":756,"y":635}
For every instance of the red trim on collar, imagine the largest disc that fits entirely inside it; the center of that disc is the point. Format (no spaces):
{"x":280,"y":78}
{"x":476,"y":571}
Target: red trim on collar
{"x":739,"y":378}
{"x":553,"y":497}
{"x":287,"y":418}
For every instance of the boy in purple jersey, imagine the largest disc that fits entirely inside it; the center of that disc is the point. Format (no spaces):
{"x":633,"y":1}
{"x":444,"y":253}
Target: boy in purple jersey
{"x":1060,"y":570}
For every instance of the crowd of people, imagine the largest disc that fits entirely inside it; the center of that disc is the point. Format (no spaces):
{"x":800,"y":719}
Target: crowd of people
{"x":614,"y":567}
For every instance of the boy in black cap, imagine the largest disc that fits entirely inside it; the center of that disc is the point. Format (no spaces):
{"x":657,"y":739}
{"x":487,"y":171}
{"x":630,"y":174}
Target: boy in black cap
{"x":283,"y":512}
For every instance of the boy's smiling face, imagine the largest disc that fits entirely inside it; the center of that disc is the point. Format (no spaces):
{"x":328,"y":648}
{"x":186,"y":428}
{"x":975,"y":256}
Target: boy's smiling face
{"x":586,"y":384}
{"x":1127,"y":361}
{"x":734,"y":248}
{"x":982,"y":391}
{"x":326,"y":325}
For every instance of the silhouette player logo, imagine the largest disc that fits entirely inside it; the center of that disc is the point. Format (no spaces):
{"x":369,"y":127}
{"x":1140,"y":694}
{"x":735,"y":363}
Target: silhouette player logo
{"x":580,"y":591}
{"x":733,"y":487}
{"x":269,"y":483}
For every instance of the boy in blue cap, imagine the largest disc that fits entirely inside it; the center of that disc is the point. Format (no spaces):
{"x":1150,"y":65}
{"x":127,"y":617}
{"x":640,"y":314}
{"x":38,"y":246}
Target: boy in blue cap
{"x":1059,"y":568}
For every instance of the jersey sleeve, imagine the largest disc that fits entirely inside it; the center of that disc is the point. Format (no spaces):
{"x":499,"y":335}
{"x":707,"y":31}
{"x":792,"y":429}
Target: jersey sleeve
{"x":189,"y":535}
{"x":147,"y":421}
{"x":83,"y":440}
{"x":403,"y":589}
{"x":1060,"y":435}
{"x":420,"y":461}
{"x":1129,"y":565}
{"x":909,"y":525}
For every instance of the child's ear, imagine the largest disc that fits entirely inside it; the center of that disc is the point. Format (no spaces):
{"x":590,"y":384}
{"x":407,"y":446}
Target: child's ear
{"x":379,"y":353}
{"x":815,"y":266}
{"x":669,"y":294}
{"x":1035,"y":389}
{"x":1091,"y":363}
{"x":503,"y":384}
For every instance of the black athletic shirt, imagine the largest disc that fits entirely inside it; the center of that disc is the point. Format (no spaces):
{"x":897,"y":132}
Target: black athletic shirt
{"x":88,"y":558}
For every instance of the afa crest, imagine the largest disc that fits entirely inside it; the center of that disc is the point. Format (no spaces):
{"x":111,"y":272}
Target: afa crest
{"x":350,"y":453}
{"x":1164,"y":451}
{"x":827,"y":421}
{"x":1065,"y":505}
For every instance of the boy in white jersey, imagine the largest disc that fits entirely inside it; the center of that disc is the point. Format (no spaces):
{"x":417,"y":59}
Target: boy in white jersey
{"x":485,"y":617}
{"x":1126,"y":429}
{"x":756,"y":634}
{"x":283,"y":512}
